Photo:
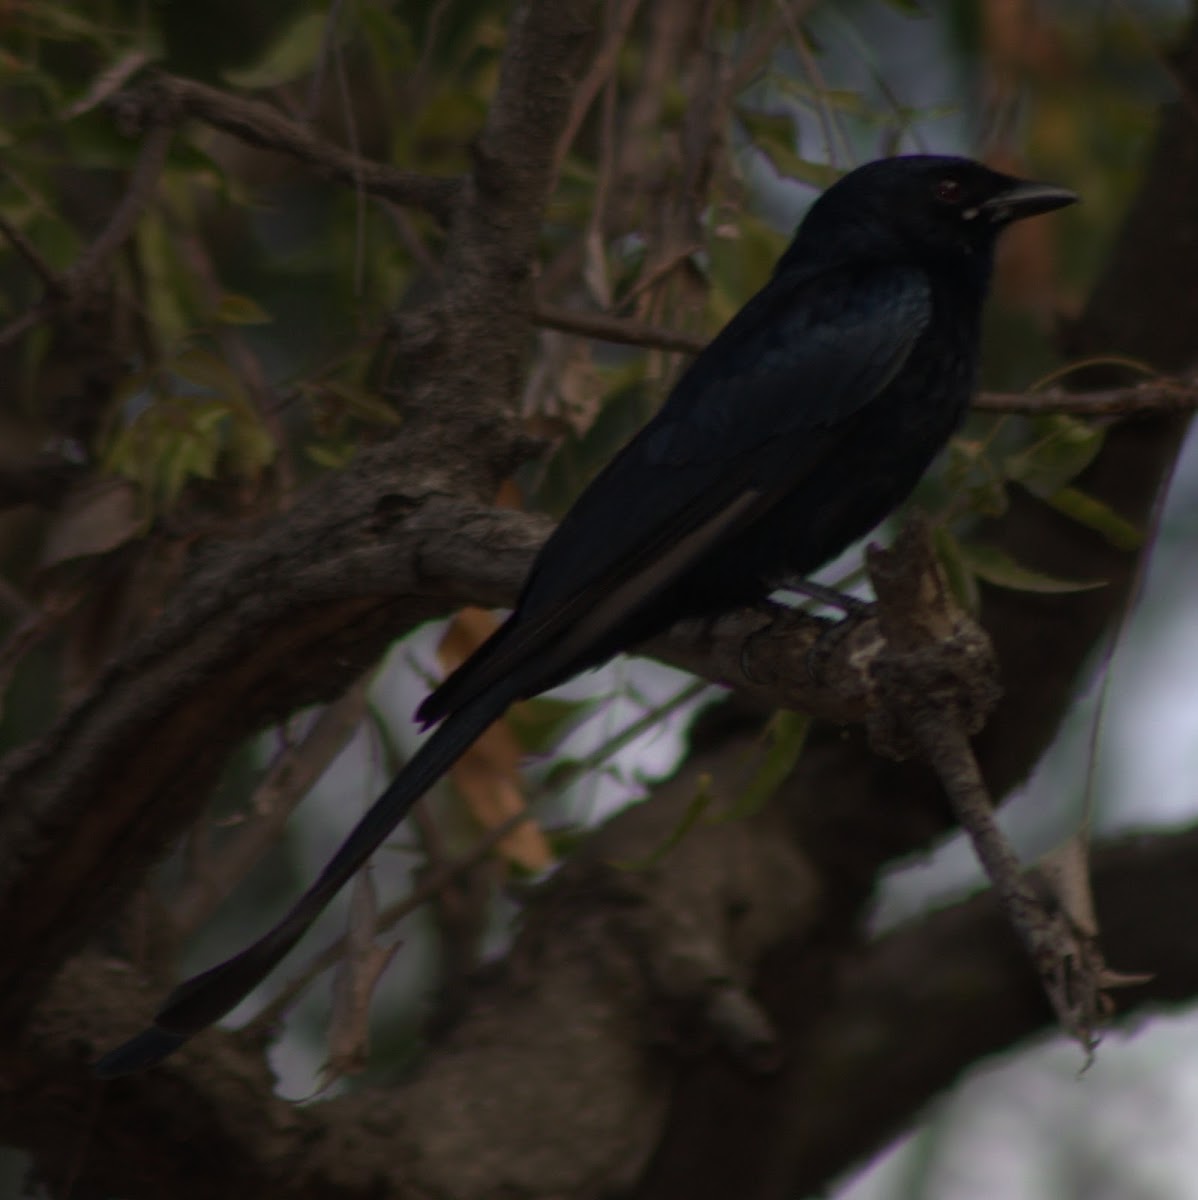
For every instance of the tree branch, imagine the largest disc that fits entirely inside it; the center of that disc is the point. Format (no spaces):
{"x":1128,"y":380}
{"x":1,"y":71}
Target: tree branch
{"x":904,"y":1017}
{"x":1142,"y":399}
{"x":1154,"y":396}
{"x":261,"y":125}
{"x":290,"y":617}
{"x":69,"y":287}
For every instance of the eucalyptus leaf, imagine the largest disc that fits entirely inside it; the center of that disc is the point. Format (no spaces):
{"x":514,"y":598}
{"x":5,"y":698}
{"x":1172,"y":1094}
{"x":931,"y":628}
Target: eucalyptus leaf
{"x":999,"y":568}
{"x":1097,"y":515}
{"x":291,"y":54}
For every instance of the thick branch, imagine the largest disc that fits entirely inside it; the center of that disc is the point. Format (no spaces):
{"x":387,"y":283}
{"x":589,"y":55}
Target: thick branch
{"x":280,"y":622}
{"x":905,"y":1017}
{"x":925,"y":1003}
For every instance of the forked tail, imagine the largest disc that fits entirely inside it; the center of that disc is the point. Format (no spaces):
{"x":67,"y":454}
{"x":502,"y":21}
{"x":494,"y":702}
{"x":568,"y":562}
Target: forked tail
{"x":198,"y":1002}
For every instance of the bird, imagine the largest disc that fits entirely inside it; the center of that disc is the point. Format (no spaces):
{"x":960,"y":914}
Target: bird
{"x":805,"y":422}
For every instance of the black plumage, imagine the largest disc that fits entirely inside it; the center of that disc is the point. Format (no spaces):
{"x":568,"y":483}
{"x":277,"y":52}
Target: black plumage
{"x":805,"y":421}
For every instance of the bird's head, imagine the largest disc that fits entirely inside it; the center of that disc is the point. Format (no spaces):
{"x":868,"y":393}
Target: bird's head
{"x":924,"y":205}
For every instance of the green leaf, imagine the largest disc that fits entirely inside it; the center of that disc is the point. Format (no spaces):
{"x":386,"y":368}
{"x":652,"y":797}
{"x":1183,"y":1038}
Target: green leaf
{"x":332,"y":456}
{"x":700,"y":803}
{"x":37,"y":343}
{"x":775,"y":136}
{"x":1065,"y":447}
{"x":209,"y":371}
{"x":393,"y":49}
{"x":158,"y":251}
{"x":999,"y":568}
{"x":290,"y":55}
{"x":1097,"y":515}
{"x":240,"y":310}
{"x":251,"y":448}
{"x":65,"y":22}
{"x":787,"y":732}
{"x":363,"y":403}
{"x":840,"y":100}
{"x":972,"y":473}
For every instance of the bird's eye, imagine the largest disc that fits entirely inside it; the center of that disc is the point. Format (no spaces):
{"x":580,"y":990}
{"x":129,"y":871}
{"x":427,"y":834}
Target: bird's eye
{"x":949,"y":191}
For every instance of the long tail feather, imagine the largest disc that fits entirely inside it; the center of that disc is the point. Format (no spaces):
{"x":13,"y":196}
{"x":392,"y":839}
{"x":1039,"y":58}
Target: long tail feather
{"x":198,"y":1002}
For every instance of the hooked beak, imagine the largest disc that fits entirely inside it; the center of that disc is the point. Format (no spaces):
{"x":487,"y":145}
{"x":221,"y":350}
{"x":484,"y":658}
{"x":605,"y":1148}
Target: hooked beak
{"x":1024,"y":198}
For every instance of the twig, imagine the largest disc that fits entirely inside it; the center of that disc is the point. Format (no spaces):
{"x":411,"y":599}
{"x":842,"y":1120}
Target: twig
{"x":289,"y":780}
{"x":1143,"y":398}
{"x":432,"y":884}
{"x":26,"y":249}
{"x":15,"y":330}
{"x":1158,"y":396}
{"x":656,"y":273}
{"x":756,"y":55}
{"x":351,"y":133}
{"x":1068,"y":961}
{"x":602,"y":66}
{"x":63,"y":289}
{"x":142,"y":184}
{"x":620,"y":330}
{"x":595,"y":272}
{"x":935,"y":687}
{"x":432,"y":30}
{"x":239,"y":354}
{"x":415,"y":245}
{"x":260,"y":125}
{"x":836,"y":145}
{"x":327,"y":47}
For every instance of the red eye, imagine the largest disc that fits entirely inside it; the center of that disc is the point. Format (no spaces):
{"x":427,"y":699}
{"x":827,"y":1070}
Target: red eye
{"x":949,"y":191}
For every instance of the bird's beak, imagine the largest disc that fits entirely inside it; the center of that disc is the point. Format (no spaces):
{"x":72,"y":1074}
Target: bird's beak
{"x":1024,"y":198}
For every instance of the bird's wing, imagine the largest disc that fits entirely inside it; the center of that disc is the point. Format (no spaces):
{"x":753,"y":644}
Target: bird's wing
{"x":770,"y":397}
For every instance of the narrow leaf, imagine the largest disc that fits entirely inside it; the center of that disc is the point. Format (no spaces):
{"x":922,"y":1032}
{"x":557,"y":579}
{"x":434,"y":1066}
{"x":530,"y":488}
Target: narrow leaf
{"x":787,"y":732}
{"x":1097,"y":515}
{"x":290,"y":55}
{"x":999,"y":568}
{"x":241,"y":310}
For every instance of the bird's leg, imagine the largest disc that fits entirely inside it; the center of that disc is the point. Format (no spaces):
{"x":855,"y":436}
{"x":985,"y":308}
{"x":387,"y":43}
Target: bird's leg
{"x":854,"y":609}
{"x":850,"y":605}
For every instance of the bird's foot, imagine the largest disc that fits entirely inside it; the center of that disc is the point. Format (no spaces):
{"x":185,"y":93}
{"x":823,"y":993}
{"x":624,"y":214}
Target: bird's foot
{"x":852,"y":606}
{"x":830,"y":640}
